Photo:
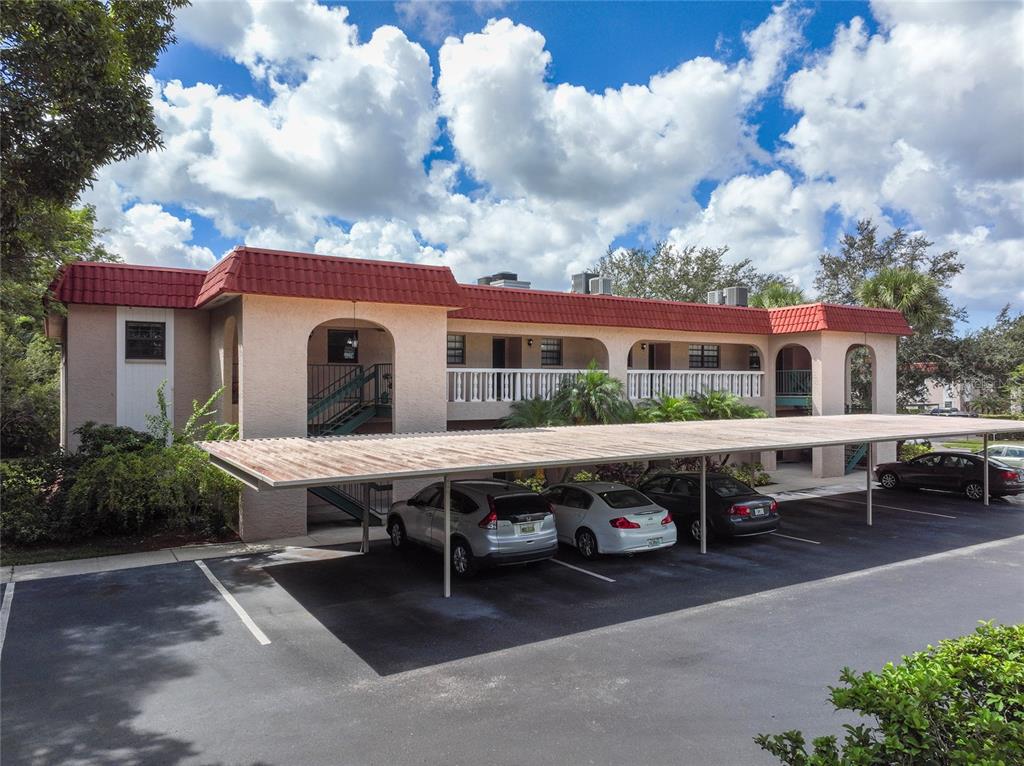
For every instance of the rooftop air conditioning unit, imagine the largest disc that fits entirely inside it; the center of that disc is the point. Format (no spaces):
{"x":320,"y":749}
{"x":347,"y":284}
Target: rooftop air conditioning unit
{"x":736,"y":296}
{"x":581,"y":281}
{"x":600,"y":286}
{"x":715,"y":297}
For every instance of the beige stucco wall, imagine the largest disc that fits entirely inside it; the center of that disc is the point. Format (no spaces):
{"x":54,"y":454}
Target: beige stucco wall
{"x":191,"y":361}
{"x":273,"y":379}
{"x":90,"y":356}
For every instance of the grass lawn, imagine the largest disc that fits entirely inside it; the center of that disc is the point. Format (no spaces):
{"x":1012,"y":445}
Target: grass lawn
{"x":974,"y":445}
{"x":99,"y":546}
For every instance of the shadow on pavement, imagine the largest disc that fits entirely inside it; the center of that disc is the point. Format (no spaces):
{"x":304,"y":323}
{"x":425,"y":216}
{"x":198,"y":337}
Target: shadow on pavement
{"x":387,"y":606}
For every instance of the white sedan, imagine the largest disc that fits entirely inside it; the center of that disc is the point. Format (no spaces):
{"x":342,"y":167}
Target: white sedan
{"x":602,"y":517}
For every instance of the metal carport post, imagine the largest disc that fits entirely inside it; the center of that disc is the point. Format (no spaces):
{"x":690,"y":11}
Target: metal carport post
{"x":703,"y":505}
{"x":870,"y":486}
{"x":447,"y":536}
{"x":984,"y":449}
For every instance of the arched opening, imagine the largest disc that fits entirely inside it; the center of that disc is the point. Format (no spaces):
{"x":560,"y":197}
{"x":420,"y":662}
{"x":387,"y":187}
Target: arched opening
{"x":674,"y":368}
{"x":860,"y":379}
{"x":349,"y":380}
{"x":793,"y":381}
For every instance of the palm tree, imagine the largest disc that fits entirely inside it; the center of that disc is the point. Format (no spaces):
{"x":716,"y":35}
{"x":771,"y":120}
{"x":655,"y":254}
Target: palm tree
{"x":778,"y":294}
{"x":533,"y":413}
{"x":665,"y":409}
{"x":593,"y":396}
{"x":722,"y":405}
{"x":917,"y":295}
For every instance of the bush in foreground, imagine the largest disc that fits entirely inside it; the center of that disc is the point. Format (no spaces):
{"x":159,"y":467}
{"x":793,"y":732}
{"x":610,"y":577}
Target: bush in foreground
{"x":961,"y":702}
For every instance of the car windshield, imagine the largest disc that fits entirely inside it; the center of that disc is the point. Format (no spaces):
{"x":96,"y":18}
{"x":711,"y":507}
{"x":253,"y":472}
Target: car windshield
{"x":728,"y":487}
{"x":624,"y":498}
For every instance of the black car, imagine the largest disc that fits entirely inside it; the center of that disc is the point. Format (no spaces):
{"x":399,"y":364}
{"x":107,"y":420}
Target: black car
{"x":733,"y":508}
{"x":953,"y":472}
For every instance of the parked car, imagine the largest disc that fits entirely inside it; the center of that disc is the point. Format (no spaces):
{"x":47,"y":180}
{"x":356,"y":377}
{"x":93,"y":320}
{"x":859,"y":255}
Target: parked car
{"x":733,"y":508}
{"x":953,"y":472}
{"x":1011,"y":454}
{"x":602,"y":517}
{"x":494,"y":523}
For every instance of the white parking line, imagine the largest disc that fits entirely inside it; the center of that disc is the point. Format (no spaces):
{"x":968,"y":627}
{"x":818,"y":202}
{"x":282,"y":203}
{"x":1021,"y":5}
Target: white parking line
{"x":584,"y":571}
{"x":5,"y":612}
{"x":895,"y":508}
{"x":790,"y":537}
{"x":233,"y":603}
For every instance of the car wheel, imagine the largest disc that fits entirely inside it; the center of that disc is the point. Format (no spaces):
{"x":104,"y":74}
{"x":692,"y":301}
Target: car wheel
{"x":462,"y":559}
{"x":396,"y":533}
{"x":586,"y":544}
{"x":974,"y":490}
{"x":889,"y":480}
{"x":695,"y":530}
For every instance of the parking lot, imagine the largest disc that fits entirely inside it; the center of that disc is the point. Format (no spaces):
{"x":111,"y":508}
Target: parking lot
{"x":334,"y":657}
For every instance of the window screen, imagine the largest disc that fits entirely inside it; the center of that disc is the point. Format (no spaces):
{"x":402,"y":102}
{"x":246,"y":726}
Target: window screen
{"x":456,"y":349}
{"x":754,"y":360}
{"x":342,"y":347}
{"x":551,"y":352}
{"x":145,"y":340}
{"x":703,"y":356}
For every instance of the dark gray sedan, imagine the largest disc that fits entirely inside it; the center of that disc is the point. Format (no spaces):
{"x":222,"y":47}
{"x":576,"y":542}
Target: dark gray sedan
{"x":953,"y":472}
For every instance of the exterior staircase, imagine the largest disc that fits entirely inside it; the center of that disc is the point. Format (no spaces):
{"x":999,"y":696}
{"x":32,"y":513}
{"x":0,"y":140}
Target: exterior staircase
{"x":855,"y":453}
{"x":357,"y":395}
{"x":355,"y":499}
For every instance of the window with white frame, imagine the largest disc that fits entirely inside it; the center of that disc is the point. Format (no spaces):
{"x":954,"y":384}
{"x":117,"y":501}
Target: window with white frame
{"x":551,"y":352}
{"x":456,"y":349}
{"x":145,"y":340}
{"x":703,"y":356}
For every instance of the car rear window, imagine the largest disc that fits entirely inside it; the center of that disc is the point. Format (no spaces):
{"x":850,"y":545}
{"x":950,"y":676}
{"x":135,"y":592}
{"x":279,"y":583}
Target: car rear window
{"x":624,"y":498}
{"x":508,"y":506}
{"x":726,"y":487}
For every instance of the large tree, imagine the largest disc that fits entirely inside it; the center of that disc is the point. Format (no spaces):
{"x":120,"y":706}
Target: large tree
{"x":73,"y":97}
{"x":677,"y":273}
{"x":777,"y":294}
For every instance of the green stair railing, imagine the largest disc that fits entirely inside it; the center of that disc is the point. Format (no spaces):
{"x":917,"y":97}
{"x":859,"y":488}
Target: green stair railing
{"x":355,"y":397}
{"x":854,"y":454}
{"x":792,"y":382}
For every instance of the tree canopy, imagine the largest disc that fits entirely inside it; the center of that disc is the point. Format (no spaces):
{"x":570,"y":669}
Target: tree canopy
{"x":676,"y":273}
{"x":777,"y":294}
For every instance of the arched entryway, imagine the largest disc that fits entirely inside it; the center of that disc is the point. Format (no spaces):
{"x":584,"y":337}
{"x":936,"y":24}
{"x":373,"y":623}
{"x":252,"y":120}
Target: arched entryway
{"x":793,"y":381}
{"x":860,"y":379}
{"x":349,"y":378}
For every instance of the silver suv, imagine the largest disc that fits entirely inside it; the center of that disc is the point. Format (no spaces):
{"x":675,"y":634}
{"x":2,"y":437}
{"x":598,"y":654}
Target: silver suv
{"x":493,"y":523}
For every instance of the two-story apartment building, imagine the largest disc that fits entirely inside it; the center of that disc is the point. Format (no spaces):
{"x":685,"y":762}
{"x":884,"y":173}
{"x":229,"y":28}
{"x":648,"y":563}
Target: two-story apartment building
{"x":320,"y":345}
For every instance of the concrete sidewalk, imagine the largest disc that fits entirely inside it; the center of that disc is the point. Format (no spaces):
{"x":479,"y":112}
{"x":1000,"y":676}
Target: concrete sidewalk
{"x":336,"y":536}
{"x":789,"y":479}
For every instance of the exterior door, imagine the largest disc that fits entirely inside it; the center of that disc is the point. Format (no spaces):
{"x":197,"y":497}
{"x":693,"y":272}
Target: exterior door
{"x":498,"y":353}
{"x":659,"y":356}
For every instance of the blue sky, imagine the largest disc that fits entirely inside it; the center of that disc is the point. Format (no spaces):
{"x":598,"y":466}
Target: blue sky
{"x":533,"y":136}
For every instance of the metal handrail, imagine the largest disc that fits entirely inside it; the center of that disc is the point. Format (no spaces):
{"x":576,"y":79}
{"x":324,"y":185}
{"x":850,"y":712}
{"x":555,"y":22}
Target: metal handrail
{"x":793,"y":382}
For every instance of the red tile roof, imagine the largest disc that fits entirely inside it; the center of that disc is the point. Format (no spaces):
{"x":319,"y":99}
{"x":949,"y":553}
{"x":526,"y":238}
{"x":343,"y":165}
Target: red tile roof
{"x":505,"y":304}
{"x":121,"y":284}
{"x":302,"y":275}
{"x":814,"y":317}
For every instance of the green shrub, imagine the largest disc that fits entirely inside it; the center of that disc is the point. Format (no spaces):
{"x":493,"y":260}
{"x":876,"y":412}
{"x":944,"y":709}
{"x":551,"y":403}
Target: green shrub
{"x":33,"y":493}
{"x":96,"y":440}
{"x":751,"y":474}
{"x":910,"y":451}
{"x":535,"y":482}
{"x":585,"y":476}
{"x":630,"y":474}
{"x":961,"y":702}
{"x":155,"y":489}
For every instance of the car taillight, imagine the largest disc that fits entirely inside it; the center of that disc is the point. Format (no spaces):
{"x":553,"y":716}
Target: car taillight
{"x":774,"y":506}
{"x":1010,"y":475}
{"x":667,"y":519}
{"x":739,"y":510}
{"x":490,"y":521}
{"x":623,"y":523}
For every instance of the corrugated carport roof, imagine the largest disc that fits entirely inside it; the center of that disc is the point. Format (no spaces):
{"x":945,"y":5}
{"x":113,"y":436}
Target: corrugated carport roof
{"x":311,"y":462}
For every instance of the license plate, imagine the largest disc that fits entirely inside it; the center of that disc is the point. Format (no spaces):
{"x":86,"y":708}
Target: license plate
{"x":760,"y":512}
{"x":653,"y":541}
{"x":527,"y":529}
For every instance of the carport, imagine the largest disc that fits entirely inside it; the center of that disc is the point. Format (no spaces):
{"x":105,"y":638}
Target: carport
{"x":299,"y":462}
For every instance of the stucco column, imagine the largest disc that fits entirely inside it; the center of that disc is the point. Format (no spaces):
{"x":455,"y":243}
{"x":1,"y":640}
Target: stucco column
{"x":883,"y":388}
{"x":618,"y":356}
{"x":272,"y":402}
{"x":828,"y":397}
{"x":768,"y":354}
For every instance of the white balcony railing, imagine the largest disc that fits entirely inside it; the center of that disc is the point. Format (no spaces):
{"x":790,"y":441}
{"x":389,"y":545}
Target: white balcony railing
{"x":503,"y":385}
{"x":648,"y":384}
